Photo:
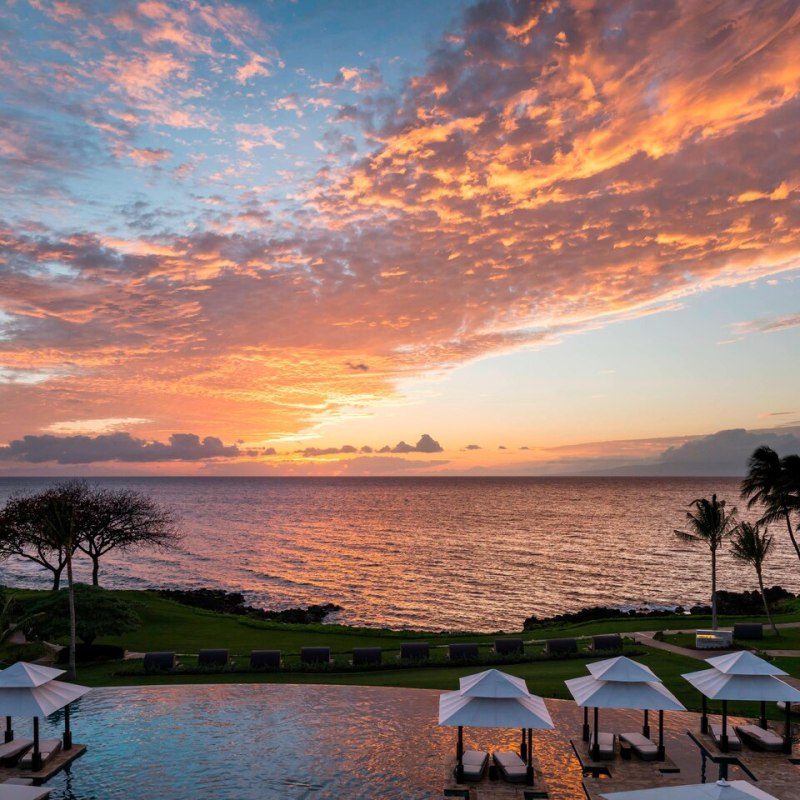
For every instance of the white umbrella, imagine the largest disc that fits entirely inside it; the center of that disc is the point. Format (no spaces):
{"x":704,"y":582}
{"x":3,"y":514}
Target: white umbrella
{"x":30,"y":690}
{"x":493,"y":699}
{"x":622,"y":683}
{"x":742,"y":676}
{"x":722,"y":790}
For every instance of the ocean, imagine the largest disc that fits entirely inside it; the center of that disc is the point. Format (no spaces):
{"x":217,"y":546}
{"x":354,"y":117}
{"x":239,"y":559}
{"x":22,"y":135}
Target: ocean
{"x":478,"y":554}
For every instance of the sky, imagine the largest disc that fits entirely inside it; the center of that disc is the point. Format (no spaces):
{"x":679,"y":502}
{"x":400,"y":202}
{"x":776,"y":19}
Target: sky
{"x":363,"y":237}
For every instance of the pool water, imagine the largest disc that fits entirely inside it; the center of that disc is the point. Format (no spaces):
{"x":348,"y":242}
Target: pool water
{"x":259,"y":742}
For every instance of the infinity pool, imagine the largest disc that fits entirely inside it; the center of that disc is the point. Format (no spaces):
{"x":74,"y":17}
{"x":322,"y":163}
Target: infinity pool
{"x":258,"y":742}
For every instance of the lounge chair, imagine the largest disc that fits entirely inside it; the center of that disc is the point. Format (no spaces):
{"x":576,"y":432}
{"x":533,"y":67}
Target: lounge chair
{"x":11,"y":751}
{"x":607,"y":642}
{"x":265,"y":659}
{"x":508,"y":647}
{"x":511,"y":766}
{"x":315,"y":655}
{"x":161,"y":661}
{"x":561,"y":646}
{"x":15,"y":789}
{"x":734,"y":742}
{"x":640,"y":745}
{"x":367,"y":656}
{"x":48,"y":748}
{"x":474,"y":763}
{"x":462,"y":652}
{"x":759,"y":738}
{"x":217,"y":657}
{"x":414,"y":651}
{"x":605,"y":743}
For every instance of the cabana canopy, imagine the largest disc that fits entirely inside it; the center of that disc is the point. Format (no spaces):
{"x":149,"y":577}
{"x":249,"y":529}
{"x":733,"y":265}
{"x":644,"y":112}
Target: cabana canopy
{"x":493,"y":683}
{"x":22,"y":674}
{"x":722,"y":790}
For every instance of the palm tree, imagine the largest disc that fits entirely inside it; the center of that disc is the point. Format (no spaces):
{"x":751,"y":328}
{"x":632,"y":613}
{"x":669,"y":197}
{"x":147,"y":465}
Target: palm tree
{"x":775,"y":484}
{"x":59,"y":524}
{"x":710,"y":523}
{"x":752,"y":545}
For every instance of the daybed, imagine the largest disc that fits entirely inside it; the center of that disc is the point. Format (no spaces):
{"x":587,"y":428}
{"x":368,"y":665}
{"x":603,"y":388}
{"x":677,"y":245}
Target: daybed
{"x":160,"y":661}
{"x":640,"y":745}
{"x":16,"y":791}
{"x":561,"y":646}
{"x":414,"y":651}
{"x":509,"y":646}
{"x":734,"y":743}
{"x":511,"y":766}
{"x":315,"y":655}
{"x":48,"y":748}
{"x":265,"y":659}
{"x":474,"y":763}
{"x":11,"y":751}
{"x":759,"y":738}
{"x":215,"y":657}
{"x":607,"y":642}
{"x":365,"y":656}
{"x":462,"y":652}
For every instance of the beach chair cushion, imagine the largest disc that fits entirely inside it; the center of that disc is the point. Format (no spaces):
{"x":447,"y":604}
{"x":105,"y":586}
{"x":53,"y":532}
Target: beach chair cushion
{"x":734,"y":742}
{"x":760,"y":739}
{"x":640,"y":745}
{"x":474,"y":763}
{"x":605,"y":742}
{"x":11,"y":751}
{"x":48,"y":749}
{"x":511,"y":766}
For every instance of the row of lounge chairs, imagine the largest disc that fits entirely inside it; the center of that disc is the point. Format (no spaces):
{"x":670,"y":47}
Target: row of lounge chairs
{"x":754,"y":736}
{"x":370,"y":656}
{"x":636,"y":743}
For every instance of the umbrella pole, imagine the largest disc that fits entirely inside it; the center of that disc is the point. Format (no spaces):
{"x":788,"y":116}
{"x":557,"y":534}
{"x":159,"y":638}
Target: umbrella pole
{"x":523,"y":747}
{"x":704,"y":718}
{"x":585,"y":733}
{"x":9,"y":730}
{"x":763,"y":720}
{"x":67,"y":731}
{"x":661,"y":751}
{"x":596,"y":739}
{"x":723,"y":740}
{"x":460,"y":755}
{"x":787,"y":733}
{"x":646,"y":726}
{"x":529,"y":773}
{"x":36,"y":760}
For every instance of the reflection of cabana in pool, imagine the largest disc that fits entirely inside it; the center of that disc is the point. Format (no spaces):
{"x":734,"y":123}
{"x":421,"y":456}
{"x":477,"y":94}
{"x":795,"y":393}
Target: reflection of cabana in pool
{"x":622,"y":683}
{"x":742,"y":676}
{"x":30,"y":690}
{"x":722,"y":790}
{"x":493,"y":699}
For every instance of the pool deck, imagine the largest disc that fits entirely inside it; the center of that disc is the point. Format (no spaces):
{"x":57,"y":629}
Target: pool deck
{"x":571,"y":776}
{"x":54,"y":765}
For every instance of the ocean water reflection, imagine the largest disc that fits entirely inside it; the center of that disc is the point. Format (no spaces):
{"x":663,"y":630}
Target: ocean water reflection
{"x":248,"y":742}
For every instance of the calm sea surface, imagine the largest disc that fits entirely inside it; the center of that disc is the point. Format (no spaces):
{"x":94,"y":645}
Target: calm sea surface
{"x":433,"y":553}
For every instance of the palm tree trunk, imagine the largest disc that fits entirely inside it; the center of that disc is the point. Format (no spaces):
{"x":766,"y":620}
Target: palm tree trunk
{"x":791,"y":532}
{"x":71,"y":672}
{"x":766,"y":605}
{"x":714,"y":589}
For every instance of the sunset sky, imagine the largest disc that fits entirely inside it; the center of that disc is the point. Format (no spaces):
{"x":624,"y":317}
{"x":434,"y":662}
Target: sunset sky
{"x":381,"y":237}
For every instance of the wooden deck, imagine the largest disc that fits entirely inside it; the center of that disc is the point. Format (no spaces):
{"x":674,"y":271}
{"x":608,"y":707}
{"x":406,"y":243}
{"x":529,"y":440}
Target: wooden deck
{"x":53,"y":766}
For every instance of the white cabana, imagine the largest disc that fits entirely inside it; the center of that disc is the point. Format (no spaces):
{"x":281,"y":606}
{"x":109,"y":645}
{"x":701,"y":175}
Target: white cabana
{"x":493,"y":699}
{"x":622,"y":683}
{"x":722,"y":790}
{"x":746,"y":677}
{"x":30,"y":690}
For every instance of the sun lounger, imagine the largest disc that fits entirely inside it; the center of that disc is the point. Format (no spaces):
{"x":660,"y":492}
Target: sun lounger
{"x":605,"y":742}
{"x":48,"y":748}
{"x":462,"y":652}
{"x":265,"y":659}
{"x":507,"y":647}
{"x":760,"y":739}
{"x":734,"y":743}
{"x":414,"y":651}
{"x":474,"y":763}
{"x":640,"y":745}
{"x":511,"y":766}
{"x":367,"y":656}
{"x":11,"y":751}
